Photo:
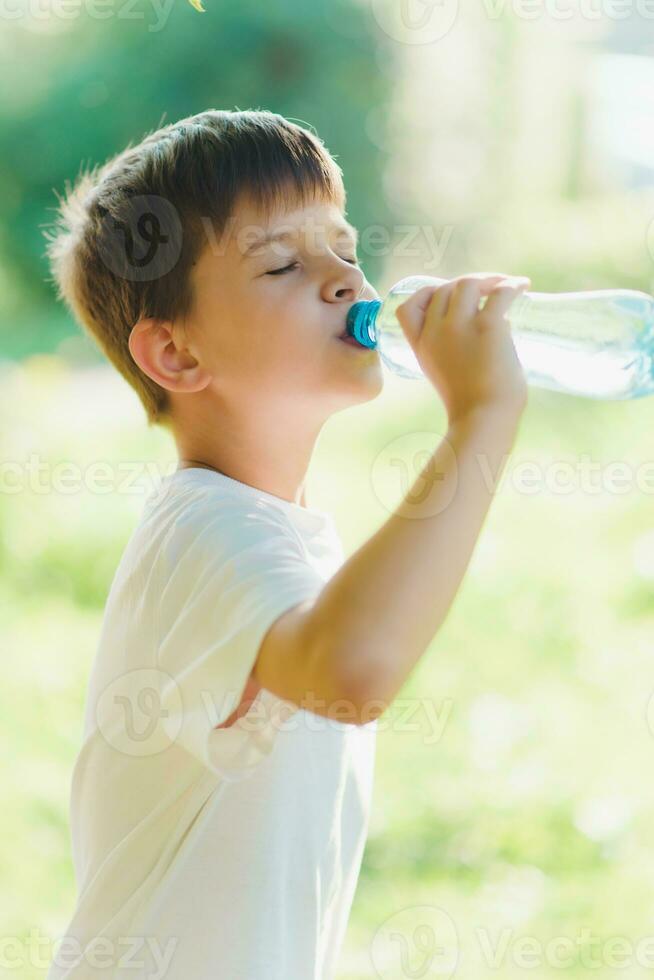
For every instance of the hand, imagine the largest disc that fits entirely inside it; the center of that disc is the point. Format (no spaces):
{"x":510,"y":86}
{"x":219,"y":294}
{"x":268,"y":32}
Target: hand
{"x":467,"y":353}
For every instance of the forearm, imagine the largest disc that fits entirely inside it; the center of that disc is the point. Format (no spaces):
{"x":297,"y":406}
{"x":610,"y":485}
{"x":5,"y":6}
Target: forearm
{"x":382,"y":608}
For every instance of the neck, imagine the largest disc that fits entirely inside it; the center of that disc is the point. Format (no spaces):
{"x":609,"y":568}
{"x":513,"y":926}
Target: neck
{"x":268,"y":450}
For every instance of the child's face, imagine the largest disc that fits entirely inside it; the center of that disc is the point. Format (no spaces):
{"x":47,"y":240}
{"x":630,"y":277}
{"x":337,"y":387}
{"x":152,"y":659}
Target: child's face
{"x":273,"y":337}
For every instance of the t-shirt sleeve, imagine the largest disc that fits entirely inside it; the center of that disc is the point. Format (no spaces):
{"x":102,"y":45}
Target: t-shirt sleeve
{"x":224,"y":578}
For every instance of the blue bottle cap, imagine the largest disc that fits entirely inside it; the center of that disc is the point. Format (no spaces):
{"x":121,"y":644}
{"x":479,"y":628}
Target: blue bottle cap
{"x":361,"y":322}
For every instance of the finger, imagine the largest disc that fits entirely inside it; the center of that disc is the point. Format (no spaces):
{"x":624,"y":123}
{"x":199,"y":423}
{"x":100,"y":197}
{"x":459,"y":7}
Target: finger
{"x":411,"y":313}
{"x":465,"y":296}
{"x":442,"y":301}
{"x":503,"y":296}
{"x":431,"y":301}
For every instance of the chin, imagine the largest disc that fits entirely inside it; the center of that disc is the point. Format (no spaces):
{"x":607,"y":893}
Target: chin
{"x":363,"y":387}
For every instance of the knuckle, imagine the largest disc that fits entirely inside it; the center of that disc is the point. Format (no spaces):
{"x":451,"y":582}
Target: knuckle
{"x":486,"y":318}
{"x":490,"y":315}
{"x":463,"y":282}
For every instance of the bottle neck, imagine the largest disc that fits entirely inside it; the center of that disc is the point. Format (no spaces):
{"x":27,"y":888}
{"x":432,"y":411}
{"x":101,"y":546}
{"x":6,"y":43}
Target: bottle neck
{"x":361,"y":322}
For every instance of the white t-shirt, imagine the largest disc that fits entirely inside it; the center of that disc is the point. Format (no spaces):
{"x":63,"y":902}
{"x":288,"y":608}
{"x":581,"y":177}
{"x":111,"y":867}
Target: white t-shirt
{"x":204,"y":853}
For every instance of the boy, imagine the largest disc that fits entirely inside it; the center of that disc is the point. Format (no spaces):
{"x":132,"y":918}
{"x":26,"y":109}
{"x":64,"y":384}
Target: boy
{"x":220,"y":800}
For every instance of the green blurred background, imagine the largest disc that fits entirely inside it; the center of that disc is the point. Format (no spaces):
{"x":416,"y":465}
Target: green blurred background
{"x":477,"y":138}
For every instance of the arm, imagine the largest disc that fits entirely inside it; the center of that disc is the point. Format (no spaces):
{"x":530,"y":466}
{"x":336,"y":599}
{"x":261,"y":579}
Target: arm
{"x":361,"y":637}
{"x":364,"y":633}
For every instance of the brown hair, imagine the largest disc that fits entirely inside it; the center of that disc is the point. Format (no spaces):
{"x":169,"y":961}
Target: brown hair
{"x":160,"y":193}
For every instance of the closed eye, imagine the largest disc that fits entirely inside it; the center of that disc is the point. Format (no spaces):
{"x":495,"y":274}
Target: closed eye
{"x":289,"y":268}
{"x":278,"y":272}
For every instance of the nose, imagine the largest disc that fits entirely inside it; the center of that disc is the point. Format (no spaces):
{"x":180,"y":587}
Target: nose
{"x":344,"y":284}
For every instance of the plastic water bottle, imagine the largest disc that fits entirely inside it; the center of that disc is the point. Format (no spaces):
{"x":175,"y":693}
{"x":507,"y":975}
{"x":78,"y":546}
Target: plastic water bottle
{"x":598,"y":344}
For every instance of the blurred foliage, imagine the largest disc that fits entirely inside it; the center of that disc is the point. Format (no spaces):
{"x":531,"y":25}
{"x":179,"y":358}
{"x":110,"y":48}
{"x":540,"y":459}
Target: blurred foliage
{"x":109,"y":83}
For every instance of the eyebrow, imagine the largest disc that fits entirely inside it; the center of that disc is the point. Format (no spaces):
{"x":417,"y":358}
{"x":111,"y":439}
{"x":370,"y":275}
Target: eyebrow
{"x":279,"y":236}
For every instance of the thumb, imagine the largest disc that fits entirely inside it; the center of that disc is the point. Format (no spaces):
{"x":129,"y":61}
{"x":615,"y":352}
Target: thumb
{"x":411,"y":313}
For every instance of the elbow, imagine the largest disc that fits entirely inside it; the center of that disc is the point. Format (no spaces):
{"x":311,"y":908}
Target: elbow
{"x":364,"y":689}
{"x":368,"y":702}
{"x":347,"y":684}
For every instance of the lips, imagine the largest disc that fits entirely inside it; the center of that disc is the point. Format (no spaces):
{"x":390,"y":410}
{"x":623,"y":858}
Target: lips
{"x":350,"y":340}
{"x":346,"y":337}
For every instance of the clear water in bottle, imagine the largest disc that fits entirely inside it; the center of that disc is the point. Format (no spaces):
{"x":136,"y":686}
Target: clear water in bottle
{"x":597,"y":344}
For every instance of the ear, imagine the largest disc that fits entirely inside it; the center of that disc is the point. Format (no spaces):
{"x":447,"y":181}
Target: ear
{"x":153,"y":349}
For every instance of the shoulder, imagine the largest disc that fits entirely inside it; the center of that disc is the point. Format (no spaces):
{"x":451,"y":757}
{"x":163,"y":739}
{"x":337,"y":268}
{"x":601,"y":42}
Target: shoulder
{"x":205,"y":524}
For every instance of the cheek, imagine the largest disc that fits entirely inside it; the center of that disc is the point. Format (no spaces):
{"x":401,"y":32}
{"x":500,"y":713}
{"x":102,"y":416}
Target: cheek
{"x":286,"y":330}
{"x":273,"y":338}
